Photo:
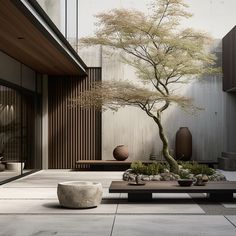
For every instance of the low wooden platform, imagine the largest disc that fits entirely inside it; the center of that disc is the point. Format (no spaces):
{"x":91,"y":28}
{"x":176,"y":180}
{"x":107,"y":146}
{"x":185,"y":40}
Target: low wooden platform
{"x":109,"y":165}
{"x":113,"y":165}
{"x":216,"y":191}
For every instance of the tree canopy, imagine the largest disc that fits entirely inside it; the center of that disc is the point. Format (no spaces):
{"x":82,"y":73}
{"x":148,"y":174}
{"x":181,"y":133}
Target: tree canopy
{"x":161,"y":51}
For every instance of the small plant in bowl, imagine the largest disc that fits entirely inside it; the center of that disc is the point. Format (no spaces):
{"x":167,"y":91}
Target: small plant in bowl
{"x":201,"y":180}
{"x":185,"y":178}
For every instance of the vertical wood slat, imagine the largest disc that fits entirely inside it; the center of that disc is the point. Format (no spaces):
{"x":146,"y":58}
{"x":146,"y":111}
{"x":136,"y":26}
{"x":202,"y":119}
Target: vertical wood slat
{"x":74,"y":133}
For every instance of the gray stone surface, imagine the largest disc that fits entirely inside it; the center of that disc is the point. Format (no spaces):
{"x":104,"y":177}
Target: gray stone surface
{"x":159,"y":208}
{"x":79,"y":194}
{"x":50,"y":178}
{"x":31,"y":206}
{"x":59,"y":225}
{"x":181,"y":225}
{"x":229,"y":205}
{"x":47,"y":206}
{"x":232,"y":219}
{"x":28,"y":193}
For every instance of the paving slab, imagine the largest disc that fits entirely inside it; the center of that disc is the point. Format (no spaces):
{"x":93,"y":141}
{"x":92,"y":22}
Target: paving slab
{"x":180,"y":225}
{"x":19,"y":225}
{"x":50,"y":178}
{"x":41,"y":193}
{"x":28,"y":193}
{"x":232,"y":219}
{"x":159,"y":208}
{"x":50,"y":207}
{"x":229,"y":205}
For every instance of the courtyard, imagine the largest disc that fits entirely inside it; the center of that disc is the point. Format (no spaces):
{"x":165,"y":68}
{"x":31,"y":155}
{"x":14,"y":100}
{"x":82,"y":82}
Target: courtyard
{"x":29,"y":206}
{"x":117,"y":117}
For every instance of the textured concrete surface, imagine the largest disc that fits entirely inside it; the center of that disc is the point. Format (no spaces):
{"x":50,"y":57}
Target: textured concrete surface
{"x":173,"y":225}
{"x":76,"y":225}
{"x":79,"y":194}
{"x":232,"y":219}
{"x":229,"y":205}
{"x":29,"y":207}
{"x":171,"y":208}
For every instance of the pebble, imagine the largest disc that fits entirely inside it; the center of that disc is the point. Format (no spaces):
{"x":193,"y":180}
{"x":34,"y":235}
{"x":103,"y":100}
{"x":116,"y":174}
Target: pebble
{"x":168,"y":176}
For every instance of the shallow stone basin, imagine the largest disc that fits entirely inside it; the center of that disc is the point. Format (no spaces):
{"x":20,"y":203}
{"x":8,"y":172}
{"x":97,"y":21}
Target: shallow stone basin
{"x":79,"y":194}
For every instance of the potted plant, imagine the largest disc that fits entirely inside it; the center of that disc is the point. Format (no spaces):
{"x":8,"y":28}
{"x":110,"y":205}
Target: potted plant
{"x":201,"y":180}
{"x":185,"y":178}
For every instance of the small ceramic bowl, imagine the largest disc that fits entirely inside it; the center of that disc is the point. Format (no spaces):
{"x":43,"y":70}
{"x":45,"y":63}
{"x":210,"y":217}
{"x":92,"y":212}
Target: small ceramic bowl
{"x":185,"y":182}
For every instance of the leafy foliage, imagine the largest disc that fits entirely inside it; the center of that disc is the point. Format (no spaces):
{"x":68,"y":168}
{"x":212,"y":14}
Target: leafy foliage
{"x":161,"y":51}
{"x":184,"y":174}
{"x":197,"y":169}
{"x":148,"y":169}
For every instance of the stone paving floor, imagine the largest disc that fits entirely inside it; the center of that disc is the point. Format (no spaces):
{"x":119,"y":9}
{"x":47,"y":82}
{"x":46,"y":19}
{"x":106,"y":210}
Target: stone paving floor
{"x":29,"y":207}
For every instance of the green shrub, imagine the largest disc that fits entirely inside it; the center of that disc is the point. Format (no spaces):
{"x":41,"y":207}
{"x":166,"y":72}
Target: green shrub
{"x":149,"y":169}
{"x":152,"y":169}
{"x":197,"y":169}
{"x":137,"y":167}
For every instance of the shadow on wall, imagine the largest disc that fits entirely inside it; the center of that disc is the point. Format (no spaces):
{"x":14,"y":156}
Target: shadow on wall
{"x":206,"y":126}
{"x":132,"y":127}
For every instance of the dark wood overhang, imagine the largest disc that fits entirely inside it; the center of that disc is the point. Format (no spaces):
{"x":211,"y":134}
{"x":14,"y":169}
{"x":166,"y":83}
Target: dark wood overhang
{"x":28,"y":35}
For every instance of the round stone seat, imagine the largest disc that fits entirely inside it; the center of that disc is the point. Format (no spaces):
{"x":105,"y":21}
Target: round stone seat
{"x":79,"y":194}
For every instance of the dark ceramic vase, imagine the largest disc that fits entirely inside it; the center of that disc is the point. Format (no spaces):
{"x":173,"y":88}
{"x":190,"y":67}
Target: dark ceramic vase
{"x":183,"y":144}
{"x":121,"y":153}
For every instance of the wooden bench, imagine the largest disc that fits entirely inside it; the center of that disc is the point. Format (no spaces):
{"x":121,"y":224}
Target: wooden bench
{"x":114,"y":165}
{"x":107,"y":165}
{"x":216,"y":191}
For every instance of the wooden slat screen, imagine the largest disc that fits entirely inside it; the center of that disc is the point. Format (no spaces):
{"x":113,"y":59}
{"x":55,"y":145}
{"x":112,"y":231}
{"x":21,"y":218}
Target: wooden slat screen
{"x":74,"y":133}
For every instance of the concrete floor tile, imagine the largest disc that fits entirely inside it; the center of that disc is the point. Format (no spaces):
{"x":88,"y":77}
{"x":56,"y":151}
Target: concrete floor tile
{"x":50,"y":178}
{"x":230,"y":175}
{"x":50,"y":207}
{"x":28,"y":193}
{"x":159,"y":208}
{"x":41,"y":193}
{"x":172,"y":225}
{"x":232,"y":219}
{"x":229,"y":205}
{"x":75,"y":225}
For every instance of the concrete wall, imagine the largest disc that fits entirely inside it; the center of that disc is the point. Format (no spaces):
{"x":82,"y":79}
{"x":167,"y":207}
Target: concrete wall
{"x":213,"y":130}
{"x":131,"y":126}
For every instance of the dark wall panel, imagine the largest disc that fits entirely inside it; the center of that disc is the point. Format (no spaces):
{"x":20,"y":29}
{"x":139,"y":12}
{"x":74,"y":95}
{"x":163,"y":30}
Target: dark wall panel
{"x":229,"y":61}
{"x":74,"y":133}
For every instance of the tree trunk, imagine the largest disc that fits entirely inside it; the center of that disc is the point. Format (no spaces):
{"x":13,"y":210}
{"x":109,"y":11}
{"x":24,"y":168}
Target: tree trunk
{"x":165,"y":150}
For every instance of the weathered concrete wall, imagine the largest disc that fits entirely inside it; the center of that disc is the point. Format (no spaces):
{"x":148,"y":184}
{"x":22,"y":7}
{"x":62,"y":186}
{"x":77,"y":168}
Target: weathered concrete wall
{"x":213,"y":129}
{"x":132,"y":127}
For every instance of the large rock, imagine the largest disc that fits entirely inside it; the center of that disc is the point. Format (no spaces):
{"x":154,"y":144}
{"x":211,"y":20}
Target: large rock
{"x":79,"y":194}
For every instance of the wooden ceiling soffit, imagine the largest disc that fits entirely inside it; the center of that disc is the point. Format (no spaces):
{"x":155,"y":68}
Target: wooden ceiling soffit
{"x":30,"y":37}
